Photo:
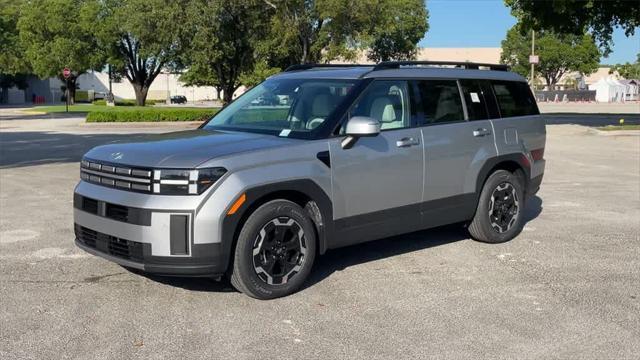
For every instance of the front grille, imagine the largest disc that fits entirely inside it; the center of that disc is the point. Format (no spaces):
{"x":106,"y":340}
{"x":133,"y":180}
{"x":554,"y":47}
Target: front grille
{"x":90,"y":205}
{"x":112,"y":211}
{"x":121,"y":177}
{"x":87,"y":236}
{"x":117,"y":212}
{"x":114,"y":246}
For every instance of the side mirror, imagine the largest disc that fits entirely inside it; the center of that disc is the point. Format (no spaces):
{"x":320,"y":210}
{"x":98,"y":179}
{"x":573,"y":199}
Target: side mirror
{"x":360,"y":126}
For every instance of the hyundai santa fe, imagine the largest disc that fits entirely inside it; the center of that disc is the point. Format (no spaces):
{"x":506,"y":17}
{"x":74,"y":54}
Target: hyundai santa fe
{"x":315,"y":158}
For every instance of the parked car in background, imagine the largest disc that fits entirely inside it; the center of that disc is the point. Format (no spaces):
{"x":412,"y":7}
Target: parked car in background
{"x":178,"y":99}
{"x":357,"y":153}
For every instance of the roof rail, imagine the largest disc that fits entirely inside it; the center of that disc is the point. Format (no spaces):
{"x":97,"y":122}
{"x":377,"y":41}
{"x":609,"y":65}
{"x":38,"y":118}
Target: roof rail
{"x":311,"y":66}
{"x":465,"y":65}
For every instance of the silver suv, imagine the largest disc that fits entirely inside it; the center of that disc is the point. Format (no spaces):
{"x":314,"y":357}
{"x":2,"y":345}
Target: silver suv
{"x":316,"y":158}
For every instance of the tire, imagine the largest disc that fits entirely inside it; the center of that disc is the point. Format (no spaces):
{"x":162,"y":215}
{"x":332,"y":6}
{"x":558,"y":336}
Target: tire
{"x":495,"y":220}
{"x":284,"y":240}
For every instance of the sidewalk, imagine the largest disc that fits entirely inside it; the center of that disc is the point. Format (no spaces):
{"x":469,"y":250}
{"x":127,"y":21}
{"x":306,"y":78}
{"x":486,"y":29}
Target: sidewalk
{"x":590,"y":108}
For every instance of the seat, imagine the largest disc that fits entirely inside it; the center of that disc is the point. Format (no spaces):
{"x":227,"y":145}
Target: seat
{"x":383,"y":110}
{"x":448,"y":108}
{"x":321,"y":107}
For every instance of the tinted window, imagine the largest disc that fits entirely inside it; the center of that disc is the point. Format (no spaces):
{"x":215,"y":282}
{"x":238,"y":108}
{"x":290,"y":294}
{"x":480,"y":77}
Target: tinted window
{"x":490,"y":99}
{"x":474,"y":99}
{"x":440,"y":100}
{"x":514,"y":99}
{"x":385,"y":101}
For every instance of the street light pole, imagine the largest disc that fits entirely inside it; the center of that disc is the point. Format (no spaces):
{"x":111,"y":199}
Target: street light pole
{"x":533,"y":65}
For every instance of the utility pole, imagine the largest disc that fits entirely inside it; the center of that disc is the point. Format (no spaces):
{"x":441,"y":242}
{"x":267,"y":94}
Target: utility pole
{"x":168,"y":91}
{"x":533,"y":63}
{"x":110,"y":80}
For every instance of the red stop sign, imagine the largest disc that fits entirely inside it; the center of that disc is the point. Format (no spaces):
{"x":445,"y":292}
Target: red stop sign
{"x":66,"y":72}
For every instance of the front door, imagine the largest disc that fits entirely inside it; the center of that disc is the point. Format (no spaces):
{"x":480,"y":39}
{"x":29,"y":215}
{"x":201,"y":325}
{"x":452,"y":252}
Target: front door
{"x":377,"y":184}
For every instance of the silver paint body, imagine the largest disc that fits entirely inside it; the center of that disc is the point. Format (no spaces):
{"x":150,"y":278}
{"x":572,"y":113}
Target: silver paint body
{"x":375,"y":174}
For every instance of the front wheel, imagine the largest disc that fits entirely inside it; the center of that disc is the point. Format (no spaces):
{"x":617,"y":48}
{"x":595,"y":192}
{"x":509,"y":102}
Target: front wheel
{"x":499,"y":215}
{"x":275,"y":251}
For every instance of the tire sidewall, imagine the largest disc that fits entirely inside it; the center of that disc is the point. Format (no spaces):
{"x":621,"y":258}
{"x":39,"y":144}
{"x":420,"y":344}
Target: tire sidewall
{"x":490,"y":185}
{"x":243,"y":264}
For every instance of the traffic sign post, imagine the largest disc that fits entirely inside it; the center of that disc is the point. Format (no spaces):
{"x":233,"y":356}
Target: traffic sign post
{"x":66,"y":73}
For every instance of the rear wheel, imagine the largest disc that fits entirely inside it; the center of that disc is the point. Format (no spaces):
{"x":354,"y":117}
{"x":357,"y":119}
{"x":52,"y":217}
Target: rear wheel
{"x":499,"y":215}
{"x":275,"y":251}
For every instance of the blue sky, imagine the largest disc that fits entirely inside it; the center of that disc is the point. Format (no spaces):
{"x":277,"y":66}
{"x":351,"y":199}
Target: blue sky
{"x":484,"y":23}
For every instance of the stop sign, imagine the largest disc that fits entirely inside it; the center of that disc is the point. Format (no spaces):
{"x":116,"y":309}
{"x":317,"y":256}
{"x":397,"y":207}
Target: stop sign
{"x":66,"y":72}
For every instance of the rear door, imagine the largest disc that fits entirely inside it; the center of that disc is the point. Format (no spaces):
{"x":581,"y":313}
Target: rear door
{"x":458,"y":139}
{"x":377,"y":184}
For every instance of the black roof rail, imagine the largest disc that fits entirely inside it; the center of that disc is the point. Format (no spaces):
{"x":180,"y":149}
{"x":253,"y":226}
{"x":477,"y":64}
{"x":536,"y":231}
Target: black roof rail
{"x":465,"y":65}
{"x":311,"y":66}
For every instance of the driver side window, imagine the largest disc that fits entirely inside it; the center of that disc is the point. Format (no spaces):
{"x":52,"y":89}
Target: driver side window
{"x":386,"y":101}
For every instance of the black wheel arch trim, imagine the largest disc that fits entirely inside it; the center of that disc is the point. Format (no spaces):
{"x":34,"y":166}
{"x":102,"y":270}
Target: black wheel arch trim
{"x":321,"y":213}
{"x":490,"y":164}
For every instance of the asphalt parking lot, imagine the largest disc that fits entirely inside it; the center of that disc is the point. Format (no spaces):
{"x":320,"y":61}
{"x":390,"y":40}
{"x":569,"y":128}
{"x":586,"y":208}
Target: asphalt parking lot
{"x":567,"y":288}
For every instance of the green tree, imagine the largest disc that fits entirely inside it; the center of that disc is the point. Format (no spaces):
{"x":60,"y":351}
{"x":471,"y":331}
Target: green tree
{"x":319,"y":31}
{"x":316,"y":31}
{"x":55,"y":34}
{"x":258,"y":74}
{"x":13,"y":67}
{"x":600,"y":17}
{"x":223,"y":38}
{"x":201,"y":75}
{"x":559,"y":53}
{"x":628,"y":70}
{"x":396,"y":28}
{"x":12,"y":54}
{"x":141,"y":37}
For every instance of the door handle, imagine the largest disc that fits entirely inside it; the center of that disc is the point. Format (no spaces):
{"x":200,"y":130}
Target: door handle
{"x":406,"y":142}
{"x":481,"y":132}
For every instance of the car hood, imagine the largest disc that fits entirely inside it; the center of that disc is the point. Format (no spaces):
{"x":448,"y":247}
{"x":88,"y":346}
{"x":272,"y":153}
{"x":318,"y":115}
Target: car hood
{"x":183,"y":149}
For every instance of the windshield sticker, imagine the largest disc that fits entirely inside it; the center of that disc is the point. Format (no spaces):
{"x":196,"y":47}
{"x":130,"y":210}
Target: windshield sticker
{"x":285,"y":132}
{"x":474,"y":97}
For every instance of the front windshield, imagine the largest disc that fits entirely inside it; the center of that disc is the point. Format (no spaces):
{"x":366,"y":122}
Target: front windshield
{"x":284,"y":107}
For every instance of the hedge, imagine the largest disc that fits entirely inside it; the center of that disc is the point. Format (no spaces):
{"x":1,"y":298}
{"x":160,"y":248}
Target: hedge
{"x":151,"y":115}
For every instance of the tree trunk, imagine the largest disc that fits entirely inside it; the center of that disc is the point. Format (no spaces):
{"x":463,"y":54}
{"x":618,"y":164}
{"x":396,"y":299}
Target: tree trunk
{"x":227,"y":94}
{"x":71,"y":89}
{"x":141,"y":94}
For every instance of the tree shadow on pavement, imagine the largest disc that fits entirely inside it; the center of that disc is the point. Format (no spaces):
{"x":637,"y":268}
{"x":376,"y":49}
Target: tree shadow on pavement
{"x":19,"y":149}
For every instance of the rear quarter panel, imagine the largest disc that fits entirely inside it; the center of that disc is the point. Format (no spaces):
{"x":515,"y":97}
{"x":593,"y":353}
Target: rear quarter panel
{"x":520,"y":135}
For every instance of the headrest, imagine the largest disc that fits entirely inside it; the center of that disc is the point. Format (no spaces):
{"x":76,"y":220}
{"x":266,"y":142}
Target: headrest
{"x":321,"y":106}
{"x":382,"y":109}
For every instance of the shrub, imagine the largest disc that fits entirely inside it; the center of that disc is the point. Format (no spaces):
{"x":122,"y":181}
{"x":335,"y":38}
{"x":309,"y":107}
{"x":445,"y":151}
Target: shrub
{"x":82,"y":96}
{"x":152,"y":115}
{"x":99,"y":102}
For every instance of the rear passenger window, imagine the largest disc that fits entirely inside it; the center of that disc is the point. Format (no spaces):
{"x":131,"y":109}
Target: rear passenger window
{"x":474,"y":99}
{"x":440,"y":100}
{"x":514,"y":99}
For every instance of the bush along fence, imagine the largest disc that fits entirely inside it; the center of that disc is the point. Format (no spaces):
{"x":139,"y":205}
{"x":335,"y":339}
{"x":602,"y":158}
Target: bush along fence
{"x":151,"y":115}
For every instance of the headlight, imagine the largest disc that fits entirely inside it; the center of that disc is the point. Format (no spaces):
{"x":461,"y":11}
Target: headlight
{"x":185,"y":182}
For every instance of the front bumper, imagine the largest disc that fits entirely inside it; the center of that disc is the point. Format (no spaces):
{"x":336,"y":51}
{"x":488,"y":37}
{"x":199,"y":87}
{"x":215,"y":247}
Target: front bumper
{"x":207,"y":262}
{"x":136,"y":231}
